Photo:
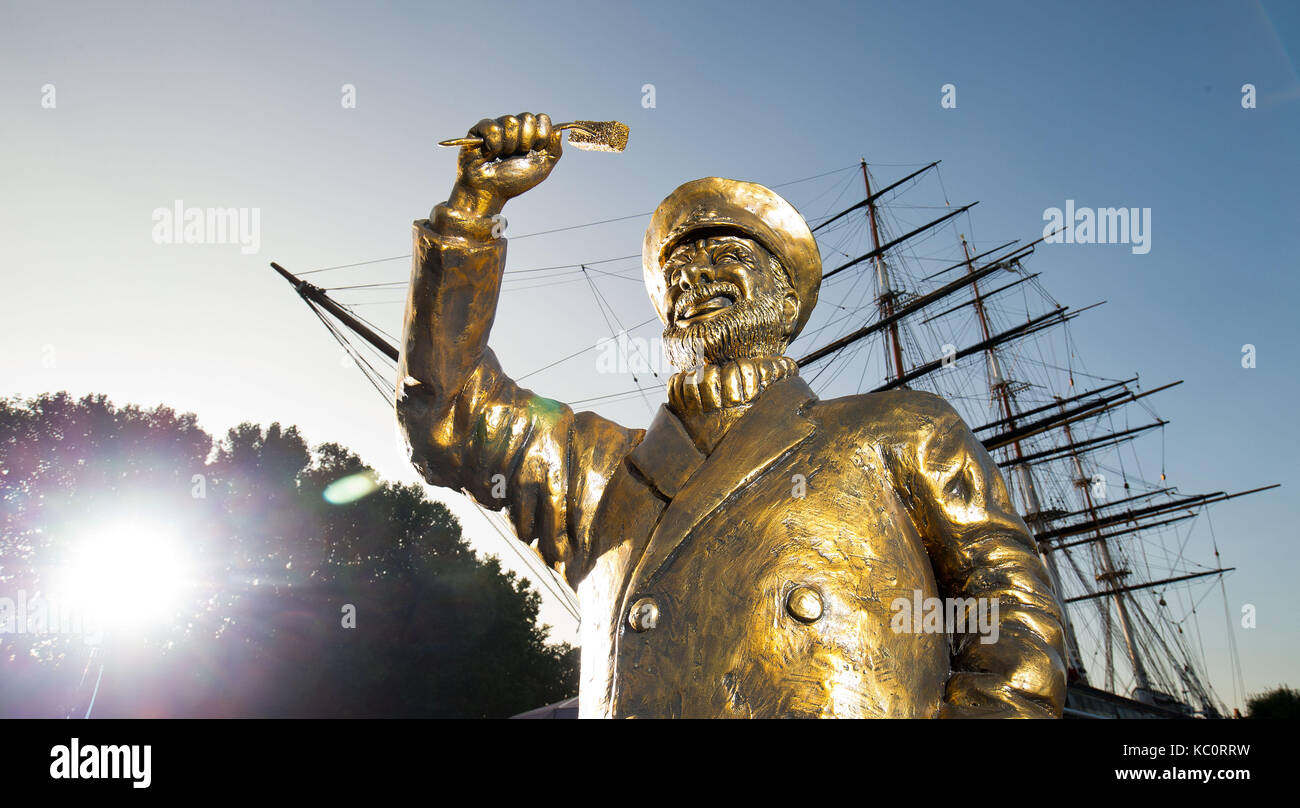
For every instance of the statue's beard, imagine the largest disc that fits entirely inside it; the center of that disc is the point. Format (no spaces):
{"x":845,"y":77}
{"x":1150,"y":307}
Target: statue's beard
{"x":749,"y":328}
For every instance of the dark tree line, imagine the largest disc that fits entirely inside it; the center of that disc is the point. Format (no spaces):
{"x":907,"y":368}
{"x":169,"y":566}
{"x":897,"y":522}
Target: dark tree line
{"x":275,"y":573}
{"x":1280,"y":702}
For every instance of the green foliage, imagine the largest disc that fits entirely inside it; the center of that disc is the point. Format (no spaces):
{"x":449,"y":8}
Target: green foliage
{"x":438,"y":631}
{"x":1280,"y":702}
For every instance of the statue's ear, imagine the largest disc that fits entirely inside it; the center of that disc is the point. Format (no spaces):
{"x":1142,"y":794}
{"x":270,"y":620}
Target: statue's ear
{"x":790,"y":302}
{"x":790,"y":311}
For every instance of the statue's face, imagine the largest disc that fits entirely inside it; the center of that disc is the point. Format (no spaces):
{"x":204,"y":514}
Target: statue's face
{"x":727,"y":299}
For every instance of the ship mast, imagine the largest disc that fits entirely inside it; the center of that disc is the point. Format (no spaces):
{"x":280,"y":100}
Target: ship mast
{"x":314,"y":294}
{"x":1000,"y":387}
{"x":885,"y":300}
{"x":1111,"y":576}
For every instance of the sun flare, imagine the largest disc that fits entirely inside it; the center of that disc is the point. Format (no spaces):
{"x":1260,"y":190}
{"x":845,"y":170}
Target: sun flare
{"x":125,"y":575}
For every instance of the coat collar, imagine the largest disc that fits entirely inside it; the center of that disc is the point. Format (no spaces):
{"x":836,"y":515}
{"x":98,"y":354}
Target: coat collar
{"x":698,"y":485}
{"x":666,"y":456}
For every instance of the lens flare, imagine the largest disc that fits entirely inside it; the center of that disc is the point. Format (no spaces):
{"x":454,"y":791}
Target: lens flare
{"x":126,"y":575}
{"x":351,"y":488}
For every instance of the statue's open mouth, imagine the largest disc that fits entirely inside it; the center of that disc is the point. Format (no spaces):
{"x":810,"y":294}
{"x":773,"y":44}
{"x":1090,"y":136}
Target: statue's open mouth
{"x":706,"y":309}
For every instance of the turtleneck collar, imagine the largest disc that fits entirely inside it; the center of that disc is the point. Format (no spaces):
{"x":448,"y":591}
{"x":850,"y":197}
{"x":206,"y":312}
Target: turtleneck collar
{"x":707,"y":388}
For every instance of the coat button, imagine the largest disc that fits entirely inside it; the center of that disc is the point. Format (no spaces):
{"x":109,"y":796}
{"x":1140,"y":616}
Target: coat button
{"x":644,"y":614}
{"x":804,"y":604}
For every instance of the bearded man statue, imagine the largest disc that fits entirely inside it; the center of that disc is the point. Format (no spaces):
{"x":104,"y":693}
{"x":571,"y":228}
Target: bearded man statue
{"x":745,"y":555}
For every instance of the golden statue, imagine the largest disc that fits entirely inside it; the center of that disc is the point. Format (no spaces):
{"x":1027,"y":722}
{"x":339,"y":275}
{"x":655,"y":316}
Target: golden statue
{"x":756,"y":552}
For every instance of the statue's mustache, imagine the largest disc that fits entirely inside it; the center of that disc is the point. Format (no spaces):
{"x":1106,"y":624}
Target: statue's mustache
{"x":705,"y":291}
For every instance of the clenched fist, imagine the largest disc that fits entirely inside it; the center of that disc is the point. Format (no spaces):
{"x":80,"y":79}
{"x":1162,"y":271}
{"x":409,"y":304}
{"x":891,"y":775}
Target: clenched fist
{"x":517,"y":153}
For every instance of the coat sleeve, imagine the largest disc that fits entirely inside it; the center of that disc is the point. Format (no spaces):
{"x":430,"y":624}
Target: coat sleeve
{"x":468,"y":425}
{"x":981,"y":548}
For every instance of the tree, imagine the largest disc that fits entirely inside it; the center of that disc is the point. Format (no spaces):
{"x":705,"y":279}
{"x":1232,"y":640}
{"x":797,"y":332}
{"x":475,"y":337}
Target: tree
{"x":1280,"y":702}
{"x":275,"y":566}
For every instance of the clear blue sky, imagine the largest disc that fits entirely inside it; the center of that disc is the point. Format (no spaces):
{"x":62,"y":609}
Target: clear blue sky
{"x":1107,"y":103}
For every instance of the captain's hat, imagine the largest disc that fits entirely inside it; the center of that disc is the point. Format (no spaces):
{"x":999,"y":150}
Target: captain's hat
{"x":747,"y":209}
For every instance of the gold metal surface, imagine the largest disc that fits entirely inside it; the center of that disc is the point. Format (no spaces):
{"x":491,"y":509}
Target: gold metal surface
{"x":644,"y":615}
{"x":804,"y":604}
{"x":610,"y":136}
{"x":599,"y":135}
{"x":746,"y":555}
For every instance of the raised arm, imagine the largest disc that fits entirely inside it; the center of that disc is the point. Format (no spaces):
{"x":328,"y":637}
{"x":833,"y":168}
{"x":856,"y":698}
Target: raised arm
{"x":981,"y":549}
{"x":466,"y":424}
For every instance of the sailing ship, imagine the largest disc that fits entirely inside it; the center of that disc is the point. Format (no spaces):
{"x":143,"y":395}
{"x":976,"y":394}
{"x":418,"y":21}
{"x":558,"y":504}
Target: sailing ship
{"x":977,"y":327}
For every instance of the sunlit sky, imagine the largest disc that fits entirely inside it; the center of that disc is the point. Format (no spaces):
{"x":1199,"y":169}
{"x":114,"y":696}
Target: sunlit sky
{"x":239,"y":105}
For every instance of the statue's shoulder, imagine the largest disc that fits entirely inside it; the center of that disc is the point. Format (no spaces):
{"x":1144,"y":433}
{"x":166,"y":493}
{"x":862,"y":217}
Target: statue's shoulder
{"x":894,"y":410}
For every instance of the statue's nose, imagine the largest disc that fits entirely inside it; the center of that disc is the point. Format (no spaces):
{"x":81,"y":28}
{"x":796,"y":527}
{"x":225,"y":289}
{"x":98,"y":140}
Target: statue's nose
{"x":695,"y":273}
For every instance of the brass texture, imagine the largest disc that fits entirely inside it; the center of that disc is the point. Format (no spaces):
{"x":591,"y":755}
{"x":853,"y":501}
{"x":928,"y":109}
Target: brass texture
{"x":608,"y":136}
{"x":804,"y":604}
{"x":758,"y":576}
{"x":599,"y":135}
{"x":644,"y":615}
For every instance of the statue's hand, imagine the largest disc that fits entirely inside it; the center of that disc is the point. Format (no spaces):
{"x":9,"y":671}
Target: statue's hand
{"x":517,"y":153}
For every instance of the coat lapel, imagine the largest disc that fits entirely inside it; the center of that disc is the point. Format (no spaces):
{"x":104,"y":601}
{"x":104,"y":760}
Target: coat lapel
{"x":666,"y":456}
{"x":771,"y":428}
